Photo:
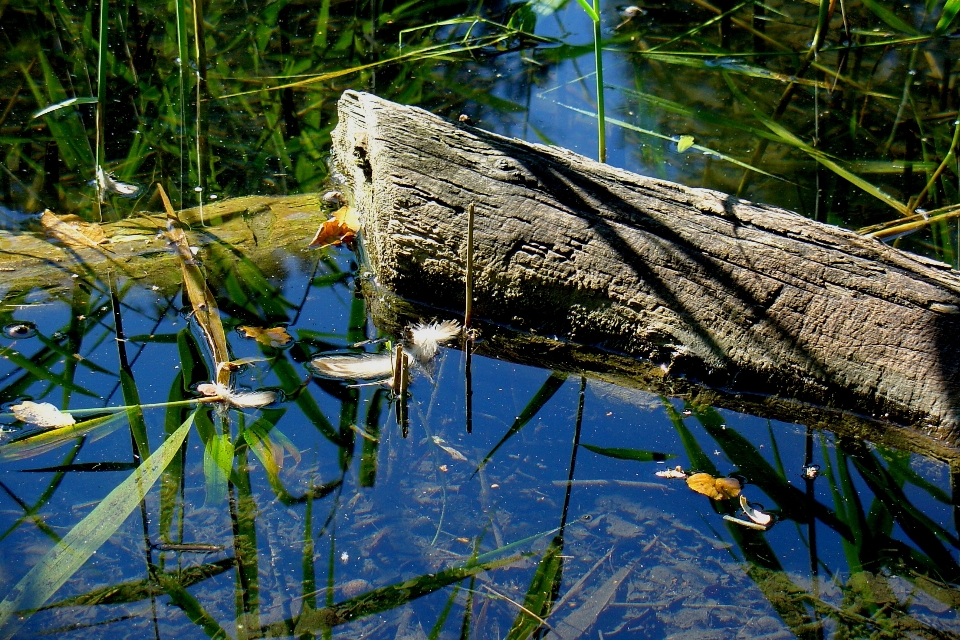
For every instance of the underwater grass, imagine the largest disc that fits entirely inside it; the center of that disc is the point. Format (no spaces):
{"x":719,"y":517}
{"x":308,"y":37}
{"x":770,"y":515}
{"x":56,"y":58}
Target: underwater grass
{"x":83,"y":540}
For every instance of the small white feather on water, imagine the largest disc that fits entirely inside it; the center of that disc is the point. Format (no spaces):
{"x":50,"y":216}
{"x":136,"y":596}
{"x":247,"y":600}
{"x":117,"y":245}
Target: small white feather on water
{"x":239,"y":399}
{"x":426,"y":338}
{"x":42,"y":414}
{"x":354,"y":366}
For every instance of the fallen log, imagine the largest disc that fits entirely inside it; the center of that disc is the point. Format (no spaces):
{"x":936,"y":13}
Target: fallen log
{"x":257,"y":227}
{"x":737,"y":297}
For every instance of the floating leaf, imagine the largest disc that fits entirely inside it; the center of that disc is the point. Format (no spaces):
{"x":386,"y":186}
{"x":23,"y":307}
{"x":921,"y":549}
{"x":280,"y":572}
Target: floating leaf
{"x":71,"y":230}
{"x":272,"y":337}
{"x":42,"y":414}
{"x":342,"y":228}
{"x":629,"y":454}
{"x":714,"y":488}
{"x":684,"y":143}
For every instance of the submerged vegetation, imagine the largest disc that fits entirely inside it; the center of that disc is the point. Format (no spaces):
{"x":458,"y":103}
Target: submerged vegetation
{"x":190,"y":438}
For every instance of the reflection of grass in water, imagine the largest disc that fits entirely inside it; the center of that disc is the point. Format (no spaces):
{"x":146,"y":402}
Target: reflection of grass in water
{"x":869,"y":541}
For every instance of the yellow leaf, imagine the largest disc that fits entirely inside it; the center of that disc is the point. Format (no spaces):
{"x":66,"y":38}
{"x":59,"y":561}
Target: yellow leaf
{"x":341,"y":228}
{"x":272,"y":337}
{"x":714,"y":488}
{"x":684,"y":143}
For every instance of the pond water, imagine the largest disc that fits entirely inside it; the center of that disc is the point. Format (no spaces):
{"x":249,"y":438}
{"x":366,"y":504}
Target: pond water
{"x":351,"y":511}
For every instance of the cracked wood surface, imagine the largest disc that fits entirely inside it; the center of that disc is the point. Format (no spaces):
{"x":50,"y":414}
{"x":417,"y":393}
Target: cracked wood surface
{"x":739,"y":296}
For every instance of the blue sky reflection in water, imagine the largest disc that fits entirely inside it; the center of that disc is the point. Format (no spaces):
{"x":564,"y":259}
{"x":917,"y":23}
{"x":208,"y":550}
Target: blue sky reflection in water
{"x":642,"y":555}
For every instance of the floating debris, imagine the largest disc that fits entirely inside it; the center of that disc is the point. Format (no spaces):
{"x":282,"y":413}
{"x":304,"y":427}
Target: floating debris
{"x":341,"y":228}
{"x":759,"y":517}
{"x":676,"y":472}
{"x":744,"y":523}
{"x":273,"y":337}
{"x":377,"y":367}
{"x":239,"y":399}
{"x":456,"y":455}
{"x":42,"y":414}
{"x":333,"y":199}
{"x":810,"y":471}
{"x":108,"y":183}
{"x":426,"y":338}
{"x":714,"y":488}
{"x":17,"y":330}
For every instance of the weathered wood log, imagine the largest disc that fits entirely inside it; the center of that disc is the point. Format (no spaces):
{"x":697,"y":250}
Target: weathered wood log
{"x":740,"y":297}
{"x":257,"y":226}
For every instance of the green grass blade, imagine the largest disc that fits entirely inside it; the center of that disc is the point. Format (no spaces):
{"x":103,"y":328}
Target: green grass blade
{"x":590,"y":11}
{"x":950,"y":10}
{"x":538,"y":600}
{"x":543,"y":395}
{"x":69,"y":102}
{"x":60,"y":563}
{"x":888,"y":16}
{"x":390,"y":597}
{"x":217,"y":462}
{"x":42,"y":373}
{"x":701,"y":148}
{"x":638,"y":455}
{"x":36,"y":444}
{"x":788,"y":138}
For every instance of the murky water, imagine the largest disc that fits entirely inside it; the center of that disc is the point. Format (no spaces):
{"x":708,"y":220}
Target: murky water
{"x":540,"y":512}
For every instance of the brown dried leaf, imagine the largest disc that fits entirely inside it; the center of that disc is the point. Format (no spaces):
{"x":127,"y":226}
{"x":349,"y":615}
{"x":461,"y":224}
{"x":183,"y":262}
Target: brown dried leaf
{"x":714,"y":488}
{"x":71,"y":230}
{"x":341,"y":228}
{"x":272,"y":337}
{"x":728,"y":487}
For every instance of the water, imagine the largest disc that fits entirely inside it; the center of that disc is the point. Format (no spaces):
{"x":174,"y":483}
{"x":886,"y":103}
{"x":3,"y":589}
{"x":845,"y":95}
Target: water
{"x":335,"y":517}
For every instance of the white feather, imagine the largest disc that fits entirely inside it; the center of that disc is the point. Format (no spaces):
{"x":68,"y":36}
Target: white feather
{"x":426,"y":338}
{"x":354,"y":366}
{"x":240,"y":399}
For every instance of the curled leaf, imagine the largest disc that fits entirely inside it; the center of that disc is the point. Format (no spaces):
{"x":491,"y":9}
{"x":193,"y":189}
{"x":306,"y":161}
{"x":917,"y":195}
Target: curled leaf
{"x":714,"y":488}
{"x":42,"y":414}
{"x":342,"y":228}
{"x":272,"y":337}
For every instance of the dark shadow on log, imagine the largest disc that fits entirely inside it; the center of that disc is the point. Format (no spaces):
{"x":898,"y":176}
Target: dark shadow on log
{"x":735,"y":297}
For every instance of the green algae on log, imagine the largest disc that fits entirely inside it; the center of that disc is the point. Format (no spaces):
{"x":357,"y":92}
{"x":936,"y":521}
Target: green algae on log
{"x":737,"y":296}
{"x":255,"y":226}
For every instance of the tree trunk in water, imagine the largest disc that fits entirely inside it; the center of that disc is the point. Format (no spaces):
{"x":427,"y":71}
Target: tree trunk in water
{"x":739,"y":297}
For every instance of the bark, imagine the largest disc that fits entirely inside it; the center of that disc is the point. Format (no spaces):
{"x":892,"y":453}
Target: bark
{"x":734,"y":296}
